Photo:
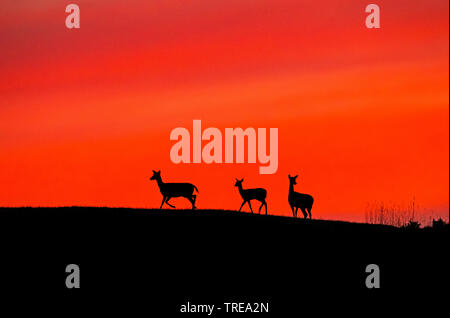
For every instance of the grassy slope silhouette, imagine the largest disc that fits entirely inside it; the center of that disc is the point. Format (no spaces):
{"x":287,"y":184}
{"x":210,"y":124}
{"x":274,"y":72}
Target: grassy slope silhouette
{"x":216,"y":251}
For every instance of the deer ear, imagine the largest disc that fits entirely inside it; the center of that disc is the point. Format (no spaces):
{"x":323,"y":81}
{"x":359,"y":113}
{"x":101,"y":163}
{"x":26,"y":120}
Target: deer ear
{"x":296,"y":176}
{"x":154,"y":171}
{"x":242,"y":180}
{"x":159,"y":171}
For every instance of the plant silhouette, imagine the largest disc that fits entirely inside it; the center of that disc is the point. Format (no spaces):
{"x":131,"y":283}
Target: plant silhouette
{"x":299,"y":200}
{"x":174,"y":190}
{"x":252,"y":194}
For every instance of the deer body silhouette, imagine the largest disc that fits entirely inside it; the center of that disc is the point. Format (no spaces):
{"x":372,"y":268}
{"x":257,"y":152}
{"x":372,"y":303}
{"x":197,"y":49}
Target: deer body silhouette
{"x":174,"y":190}
{"x":252,"y":194}
{"x":299,"y":200}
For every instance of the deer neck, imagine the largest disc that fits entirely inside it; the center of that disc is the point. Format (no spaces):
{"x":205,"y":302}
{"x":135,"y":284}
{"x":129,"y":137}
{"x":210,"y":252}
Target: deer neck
{"x":160,"y":182}
{"x":291,"y":188}
{"x":241,"y":190}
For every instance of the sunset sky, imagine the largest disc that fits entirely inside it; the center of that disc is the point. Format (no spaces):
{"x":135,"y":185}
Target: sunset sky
{"x":363,"y":114}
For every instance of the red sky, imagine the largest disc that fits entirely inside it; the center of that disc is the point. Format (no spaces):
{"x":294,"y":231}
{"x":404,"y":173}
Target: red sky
{"x":363,"y":115}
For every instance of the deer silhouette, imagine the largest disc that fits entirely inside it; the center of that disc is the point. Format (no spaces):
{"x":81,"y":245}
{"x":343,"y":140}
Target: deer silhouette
{"x":174,"y":190}
{"x":252,"y":194}
{"x":299,"y":200}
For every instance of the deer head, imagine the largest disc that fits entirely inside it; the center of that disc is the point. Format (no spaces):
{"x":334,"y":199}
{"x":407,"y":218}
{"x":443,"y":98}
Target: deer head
{"x":238,"y":183}
{"x":156,"y":175}
{"x":292,"y":180}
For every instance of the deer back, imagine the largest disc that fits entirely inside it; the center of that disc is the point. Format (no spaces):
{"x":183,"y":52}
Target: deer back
{"x":300,"y":199}
{"x":251,"y":194}
{"x":177,"y":189}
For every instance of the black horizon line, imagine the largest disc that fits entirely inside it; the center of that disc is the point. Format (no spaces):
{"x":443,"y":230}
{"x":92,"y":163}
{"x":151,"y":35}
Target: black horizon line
{"x":187,"y":210}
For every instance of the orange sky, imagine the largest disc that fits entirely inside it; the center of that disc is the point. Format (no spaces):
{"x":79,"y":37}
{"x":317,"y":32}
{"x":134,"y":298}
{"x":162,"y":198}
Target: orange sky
{"x":363,"y":115}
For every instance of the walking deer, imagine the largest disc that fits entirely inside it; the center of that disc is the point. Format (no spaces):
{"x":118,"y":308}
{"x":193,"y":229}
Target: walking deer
{"x":174,"y":190}
{"x":252,"y":194}
{"x":299,"y":200}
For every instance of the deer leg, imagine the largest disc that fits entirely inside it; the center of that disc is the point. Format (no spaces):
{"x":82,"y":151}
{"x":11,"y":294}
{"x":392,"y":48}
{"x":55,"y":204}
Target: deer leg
{"x":309,"y":212}
{"x":241,"y":206}
{"x":265,"y":205}
{"x":305,"y":215}
{"x":293,"y":212}
{"x":250,"y":206}
{"x":192,"y":200}
{"x":167,"y":201}
{"x":162,"y":203}
{"x":262,"y":204}
{"x":296,"y":210}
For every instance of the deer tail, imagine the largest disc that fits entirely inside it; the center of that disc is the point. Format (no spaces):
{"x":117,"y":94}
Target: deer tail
{"x":195,"y":188}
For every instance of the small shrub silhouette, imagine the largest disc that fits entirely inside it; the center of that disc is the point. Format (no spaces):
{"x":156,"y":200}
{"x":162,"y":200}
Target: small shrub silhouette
{"x":412,"y":226}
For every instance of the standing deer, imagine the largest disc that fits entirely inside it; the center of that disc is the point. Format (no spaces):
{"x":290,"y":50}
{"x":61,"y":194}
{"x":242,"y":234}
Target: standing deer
{"x":174,"y":190}
{"x":252,"y":194}
{"x":299,"y":200}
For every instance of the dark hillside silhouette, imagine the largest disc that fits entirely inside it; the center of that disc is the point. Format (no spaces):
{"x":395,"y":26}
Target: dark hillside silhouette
{"x":165,"y":255}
